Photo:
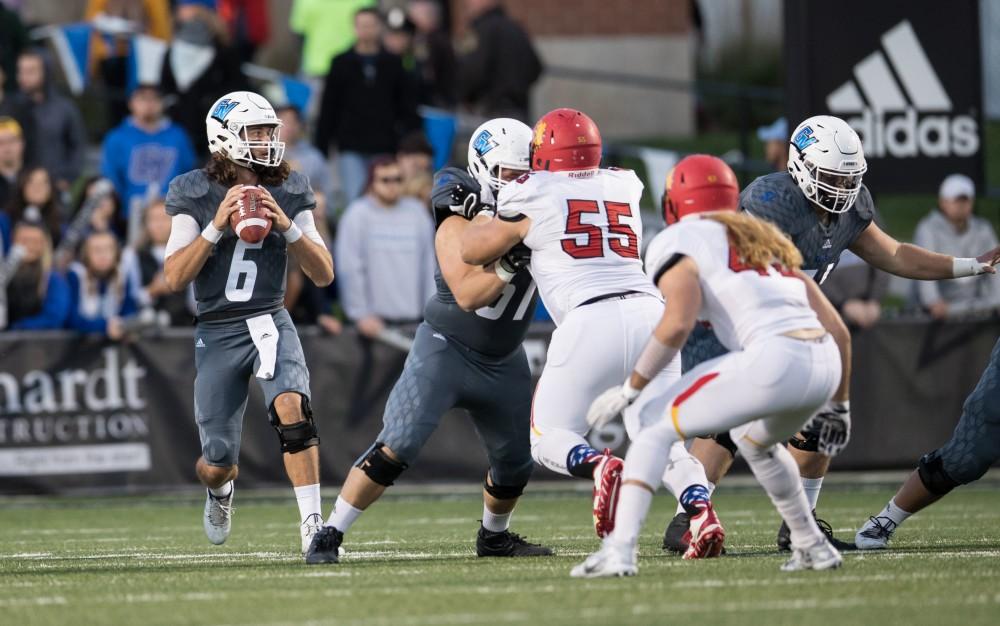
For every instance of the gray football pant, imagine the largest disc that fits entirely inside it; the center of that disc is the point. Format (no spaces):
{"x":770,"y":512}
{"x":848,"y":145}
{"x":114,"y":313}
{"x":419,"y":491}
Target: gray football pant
{"x":441,"y":374}
{"x":225,"y":360}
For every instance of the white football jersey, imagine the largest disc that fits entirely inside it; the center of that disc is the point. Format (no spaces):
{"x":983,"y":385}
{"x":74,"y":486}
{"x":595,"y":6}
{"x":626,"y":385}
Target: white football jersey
{"x":741,"y":303}
{"x":585,"y":234}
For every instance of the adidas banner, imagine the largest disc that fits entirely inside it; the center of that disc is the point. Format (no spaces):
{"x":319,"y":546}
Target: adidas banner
{"x":906,"y":76}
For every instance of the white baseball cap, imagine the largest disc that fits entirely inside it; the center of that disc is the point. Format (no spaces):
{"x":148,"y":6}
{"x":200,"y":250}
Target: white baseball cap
{"x":957,"y":186}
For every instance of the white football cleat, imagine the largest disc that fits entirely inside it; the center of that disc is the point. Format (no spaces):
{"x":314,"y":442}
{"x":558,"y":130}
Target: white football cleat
{"x":819,"y":556}
{"x":219,"y":516}
{"x":875,"y":534}
{"x":309,"y":528}
{"x":613,"y":559}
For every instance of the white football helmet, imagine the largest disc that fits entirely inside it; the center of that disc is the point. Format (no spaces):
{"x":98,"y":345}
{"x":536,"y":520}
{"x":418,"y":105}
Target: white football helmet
{"x":227,"y":124}
{"x":499,"y":144}
{"x":827,"y":160}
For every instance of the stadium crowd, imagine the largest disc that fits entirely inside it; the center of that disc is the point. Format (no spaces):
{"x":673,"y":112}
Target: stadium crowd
{"x":82,"y":243}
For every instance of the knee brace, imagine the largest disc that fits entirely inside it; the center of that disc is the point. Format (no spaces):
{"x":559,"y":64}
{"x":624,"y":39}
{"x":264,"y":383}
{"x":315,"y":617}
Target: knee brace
{"x":932,"y":474}
{"x":378,"y":466}
{"x":504,"y":492}
{"x":724,"y":440}
{"x":298,"y":436}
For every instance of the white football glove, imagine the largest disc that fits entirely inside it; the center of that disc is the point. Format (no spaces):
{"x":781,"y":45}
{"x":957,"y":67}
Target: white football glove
{"x":610,"y":403}
{"x":833,"y":426}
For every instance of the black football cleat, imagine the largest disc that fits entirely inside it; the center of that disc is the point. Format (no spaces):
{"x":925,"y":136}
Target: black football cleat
{"x":678,"y":534}
{"x":325,"y":546}
{"x":785,"y":536}
{"x":506,"y":543}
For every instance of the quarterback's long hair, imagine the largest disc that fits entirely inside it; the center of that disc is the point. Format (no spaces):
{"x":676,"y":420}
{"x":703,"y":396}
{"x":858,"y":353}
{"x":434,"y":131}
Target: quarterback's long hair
{"x":223,"y":171}
{"x":758,"y":242}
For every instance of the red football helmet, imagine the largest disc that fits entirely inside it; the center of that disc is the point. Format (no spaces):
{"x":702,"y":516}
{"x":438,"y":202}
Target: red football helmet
{"x":565,"y":139}
{"x":699,"y":183}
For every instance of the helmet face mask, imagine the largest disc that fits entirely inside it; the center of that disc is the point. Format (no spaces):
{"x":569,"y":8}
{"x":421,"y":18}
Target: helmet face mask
{"x":498,"y":152}
{"x":826,"y":159}
{"x":229,"y":125}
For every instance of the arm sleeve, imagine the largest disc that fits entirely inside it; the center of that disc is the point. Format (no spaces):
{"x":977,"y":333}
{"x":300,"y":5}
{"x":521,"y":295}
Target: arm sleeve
{"x":305,"y":221}
{"x":183,"y":230}
{"x":927,"y":290}
{"x":350,"y":264}
{"x":54,"y":311}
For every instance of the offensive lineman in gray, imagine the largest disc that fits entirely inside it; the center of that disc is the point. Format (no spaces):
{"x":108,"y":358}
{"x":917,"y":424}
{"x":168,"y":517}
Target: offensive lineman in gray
{"x":243,"y":329}
{"x":466,"y":354}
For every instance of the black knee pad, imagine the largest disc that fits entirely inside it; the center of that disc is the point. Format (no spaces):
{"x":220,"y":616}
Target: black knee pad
{"x":724,"y":440}
{"x":932,"y":474}
{"x":504,"y":492}
{"x":378,"y":466}
{"x":298,"y":436}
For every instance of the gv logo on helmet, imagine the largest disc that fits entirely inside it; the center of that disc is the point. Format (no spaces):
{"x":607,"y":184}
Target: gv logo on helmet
{"x":223,"y":108}
{"x":920,"y":123}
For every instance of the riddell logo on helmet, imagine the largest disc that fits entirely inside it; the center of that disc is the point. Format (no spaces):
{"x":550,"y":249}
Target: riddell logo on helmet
{"x":892,"y":125}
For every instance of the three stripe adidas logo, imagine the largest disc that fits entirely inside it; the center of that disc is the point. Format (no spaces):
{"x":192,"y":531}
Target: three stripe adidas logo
{"x":904,"y":109}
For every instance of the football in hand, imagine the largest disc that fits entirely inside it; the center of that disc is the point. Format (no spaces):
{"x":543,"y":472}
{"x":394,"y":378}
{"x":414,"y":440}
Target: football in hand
{"x":250,"y":221}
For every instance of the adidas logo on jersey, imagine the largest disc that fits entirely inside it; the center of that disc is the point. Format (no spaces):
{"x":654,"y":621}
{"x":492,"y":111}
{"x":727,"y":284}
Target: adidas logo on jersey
{"x":199,"y":343}
{"x":919,"y":123}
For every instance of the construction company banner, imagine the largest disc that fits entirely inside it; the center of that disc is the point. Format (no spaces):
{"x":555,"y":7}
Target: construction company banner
{"x":907,"y":76}
{"x":82,"y":413}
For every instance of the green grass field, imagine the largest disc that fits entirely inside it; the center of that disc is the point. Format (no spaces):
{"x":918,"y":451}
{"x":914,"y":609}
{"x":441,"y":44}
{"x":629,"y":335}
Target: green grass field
{"x":410,"y":561}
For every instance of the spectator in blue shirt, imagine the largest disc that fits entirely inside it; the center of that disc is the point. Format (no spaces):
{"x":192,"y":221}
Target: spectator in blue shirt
{"x":146,"y":150}
{"x":100,"y":297}
{"x":37,"y":297}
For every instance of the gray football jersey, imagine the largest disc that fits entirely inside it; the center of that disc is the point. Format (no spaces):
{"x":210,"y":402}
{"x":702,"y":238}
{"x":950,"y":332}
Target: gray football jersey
{"x":778,"y":199}
{"x":496,"y":330}
{"x":238,"y":277}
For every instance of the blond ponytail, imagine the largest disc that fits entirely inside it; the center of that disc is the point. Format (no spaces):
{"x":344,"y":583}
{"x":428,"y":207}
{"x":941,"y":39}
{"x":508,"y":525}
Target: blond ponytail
{"x":758,"y":242}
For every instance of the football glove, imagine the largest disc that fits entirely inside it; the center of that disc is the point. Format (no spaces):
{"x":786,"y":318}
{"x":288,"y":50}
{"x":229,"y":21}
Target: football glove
{"x":516,"y":259}
{"x":609,"y":404}
{"x":832,"y":424}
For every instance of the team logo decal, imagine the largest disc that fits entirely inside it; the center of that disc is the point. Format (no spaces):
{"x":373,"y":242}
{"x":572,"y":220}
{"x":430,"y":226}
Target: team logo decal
{"x":223,"y":109}
{"x":484,"y":143}
{"x":804,"y":138}
{"x":539,"y":134}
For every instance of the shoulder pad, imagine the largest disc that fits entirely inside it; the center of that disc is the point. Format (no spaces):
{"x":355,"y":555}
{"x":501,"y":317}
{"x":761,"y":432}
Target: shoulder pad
{"x":296,"y":183}
{"x":865,"y":205}
{"x":193,"y":184}
{"x":456,"y":175}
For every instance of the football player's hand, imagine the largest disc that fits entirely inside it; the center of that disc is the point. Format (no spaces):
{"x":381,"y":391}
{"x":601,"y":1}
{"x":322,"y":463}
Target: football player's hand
{"x":609,"y":404}
{"x":988,"y":260}
{"x":833,"y":426}
{"x":229,"y":205}
{"x":516,"y":259}
{"x":273,"y":211}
